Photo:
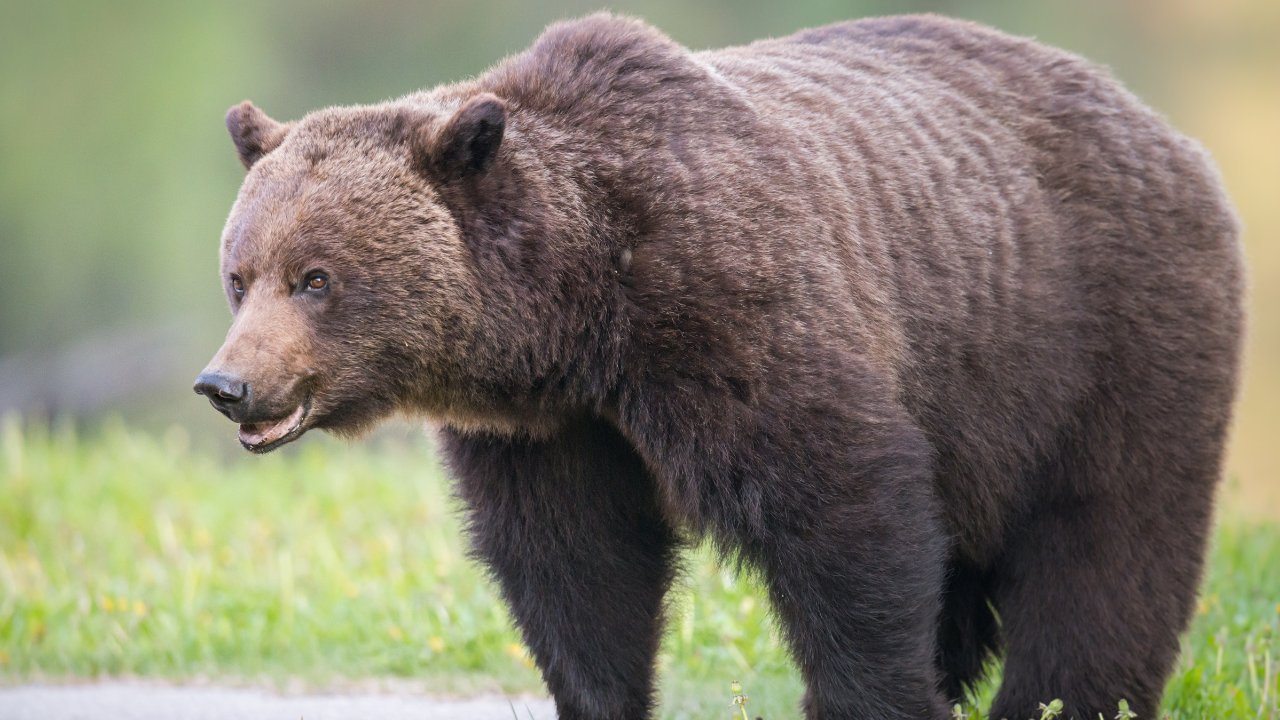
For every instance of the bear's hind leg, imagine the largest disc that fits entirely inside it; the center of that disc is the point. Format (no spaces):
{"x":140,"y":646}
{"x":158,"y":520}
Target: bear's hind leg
{"x":571,"y":529}
{"x":1097,"y":584}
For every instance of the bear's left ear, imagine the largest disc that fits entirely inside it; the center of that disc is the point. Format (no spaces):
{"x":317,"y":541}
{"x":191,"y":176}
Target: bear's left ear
{"x":254,"y":133}
{"x":468,"y":143}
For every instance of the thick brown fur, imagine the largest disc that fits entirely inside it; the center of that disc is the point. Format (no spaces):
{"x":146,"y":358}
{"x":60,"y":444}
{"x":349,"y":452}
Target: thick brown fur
{"x":937,"y":328}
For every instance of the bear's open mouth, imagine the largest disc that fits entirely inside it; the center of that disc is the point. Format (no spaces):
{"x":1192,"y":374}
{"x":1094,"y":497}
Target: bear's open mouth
{"x":264,"y":436}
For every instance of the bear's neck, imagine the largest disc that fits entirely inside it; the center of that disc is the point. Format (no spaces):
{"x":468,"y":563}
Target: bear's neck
{"x":544,"y":245}
{"x":582,"y":179}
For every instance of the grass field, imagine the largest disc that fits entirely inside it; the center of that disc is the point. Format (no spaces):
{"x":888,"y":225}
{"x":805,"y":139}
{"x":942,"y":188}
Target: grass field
{"x":125,"y":553}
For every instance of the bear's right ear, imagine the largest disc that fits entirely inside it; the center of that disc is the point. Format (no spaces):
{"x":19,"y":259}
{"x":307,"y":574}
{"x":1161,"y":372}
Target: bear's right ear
{"x":254,"y":133}
{"x":467,"y":143}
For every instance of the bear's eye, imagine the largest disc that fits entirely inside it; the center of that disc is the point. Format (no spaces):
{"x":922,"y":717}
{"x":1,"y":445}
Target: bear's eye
{"x":317,"y":281}
{"x":237,"y":285}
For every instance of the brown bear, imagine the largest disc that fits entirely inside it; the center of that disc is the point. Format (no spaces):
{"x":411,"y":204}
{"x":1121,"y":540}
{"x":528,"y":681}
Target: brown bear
{"x":935,"y":328}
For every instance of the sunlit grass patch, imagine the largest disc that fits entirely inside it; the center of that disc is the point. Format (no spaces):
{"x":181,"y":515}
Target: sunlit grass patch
{"x":1230,"y":666}
{"x":124,"y":553}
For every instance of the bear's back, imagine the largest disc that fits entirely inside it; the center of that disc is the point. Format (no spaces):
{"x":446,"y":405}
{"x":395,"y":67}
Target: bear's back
{"x":964,"y":125}
{"x":1006,"y":190}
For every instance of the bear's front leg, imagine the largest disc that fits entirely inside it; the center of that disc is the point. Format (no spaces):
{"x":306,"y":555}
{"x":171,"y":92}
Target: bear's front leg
{"x":570,"y":527}
{"x":831,"y":499}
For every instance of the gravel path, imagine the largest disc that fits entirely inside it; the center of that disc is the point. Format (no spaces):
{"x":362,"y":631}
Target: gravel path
{"x":139,"y":701}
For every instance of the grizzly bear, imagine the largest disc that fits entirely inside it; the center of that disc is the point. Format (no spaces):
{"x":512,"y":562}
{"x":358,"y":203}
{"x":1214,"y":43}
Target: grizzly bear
{"x":935,"y":328}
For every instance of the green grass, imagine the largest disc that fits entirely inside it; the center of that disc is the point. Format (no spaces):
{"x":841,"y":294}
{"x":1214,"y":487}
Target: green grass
{"x":125,"y":553}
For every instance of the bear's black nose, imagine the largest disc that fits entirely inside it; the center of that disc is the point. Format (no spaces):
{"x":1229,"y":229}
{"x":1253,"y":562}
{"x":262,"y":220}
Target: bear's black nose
{"x":226,"y":392}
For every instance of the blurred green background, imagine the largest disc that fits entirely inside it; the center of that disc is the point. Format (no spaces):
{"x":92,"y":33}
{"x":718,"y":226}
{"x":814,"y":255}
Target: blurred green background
{"x":116,"y":172}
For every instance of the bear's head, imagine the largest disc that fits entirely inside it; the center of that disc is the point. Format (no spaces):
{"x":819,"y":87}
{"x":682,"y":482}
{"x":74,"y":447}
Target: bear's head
{"x":352,"y":290}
